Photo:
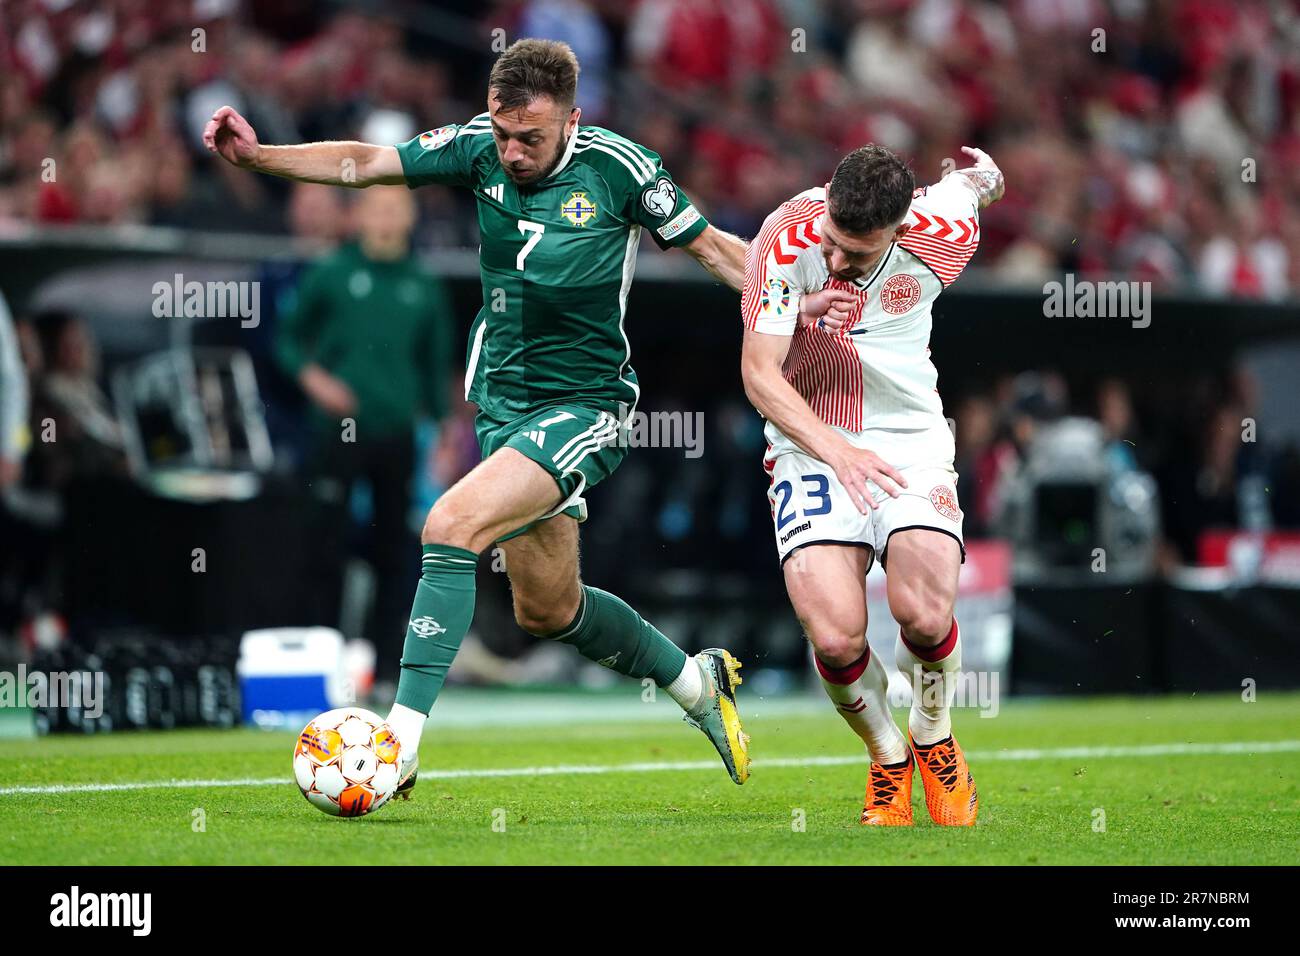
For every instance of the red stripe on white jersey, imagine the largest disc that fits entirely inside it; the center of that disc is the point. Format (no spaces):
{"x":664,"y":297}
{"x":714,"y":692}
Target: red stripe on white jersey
{"x":787,"y":232}
{"x":827,"y":371}
{"x":944,"y":245}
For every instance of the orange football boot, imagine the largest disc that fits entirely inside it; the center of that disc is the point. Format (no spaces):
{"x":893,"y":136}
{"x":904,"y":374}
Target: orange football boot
{"x":889,"y":795}
{"x":950,"y":793}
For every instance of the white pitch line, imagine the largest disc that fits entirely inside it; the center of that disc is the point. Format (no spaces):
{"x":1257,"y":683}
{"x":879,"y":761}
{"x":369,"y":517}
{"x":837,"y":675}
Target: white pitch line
{"x":59,"y":788}
{"x":1228,"y":748}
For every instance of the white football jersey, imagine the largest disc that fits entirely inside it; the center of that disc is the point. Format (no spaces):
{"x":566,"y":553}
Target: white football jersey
{"x":873,"y":378}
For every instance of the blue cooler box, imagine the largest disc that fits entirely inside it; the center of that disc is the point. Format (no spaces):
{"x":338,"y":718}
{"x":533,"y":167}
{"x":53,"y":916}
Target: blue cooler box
{"x":288,"y":675}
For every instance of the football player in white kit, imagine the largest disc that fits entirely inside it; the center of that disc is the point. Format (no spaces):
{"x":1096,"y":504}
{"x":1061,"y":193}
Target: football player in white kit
{"x":860,"y":456}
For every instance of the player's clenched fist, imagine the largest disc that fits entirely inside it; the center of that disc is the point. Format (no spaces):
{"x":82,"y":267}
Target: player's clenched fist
{"x":984,"y":177}
{"x":856,"y":466}
{"x":829,"y":309}
{"x":229,"y":135}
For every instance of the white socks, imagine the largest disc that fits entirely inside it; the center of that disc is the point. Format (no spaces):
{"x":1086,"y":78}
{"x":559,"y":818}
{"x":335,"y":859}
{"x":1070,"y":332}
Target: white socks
{"x":687,"y":687}
{"x":859,"y":694}
{"x":408,"y":724}
{"x":933,"y":674}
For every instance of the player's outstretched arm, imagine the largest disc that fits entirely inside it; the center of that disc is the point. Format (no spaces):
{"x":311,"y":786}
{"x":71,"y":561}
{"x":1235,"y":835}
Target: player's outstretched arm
{"x":984,"y":177}
{"x":723,"y":255}
{"x":776,"y":399}
{"x":350,"y":164}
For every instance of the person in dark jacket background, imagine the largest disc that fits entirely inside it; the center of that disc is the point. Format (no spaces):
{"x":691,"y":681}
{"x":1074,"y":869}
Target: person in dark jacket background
{"x":368,"y":338}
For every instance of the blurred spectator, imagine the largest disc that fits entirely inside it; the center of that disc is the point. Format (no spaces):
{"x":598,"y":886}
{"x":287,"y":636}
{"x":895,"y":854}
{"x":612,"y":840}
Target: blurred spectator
{"x":318,"y":219}
{"x":1245,"y":262}
{"x":75,"y":439}
{"x":575,"y":23}
{"x":368,"y":340}
{"x":27,"y":515}
{"x":14,"y":435}
{"x":982,"y":462}
{"x":1032,"y":400}
{"x":1170,"y":156}
{"x":456,"y":451}
{"x":1219,"y":485}
{"x":1036,"y":397}
{"x":1115,"y":412}
{"x":79,"y":436}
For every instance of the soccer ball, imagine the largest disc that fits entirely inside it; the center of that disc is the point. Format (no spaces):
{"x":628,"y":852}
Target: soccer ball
{"x":345,"y":762}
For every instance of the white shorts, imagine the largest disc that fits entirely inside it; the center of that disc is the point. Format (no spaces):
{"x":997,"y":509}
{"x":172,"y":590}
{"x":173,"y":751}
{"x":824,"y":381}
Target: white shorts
{"x":810,"y":506}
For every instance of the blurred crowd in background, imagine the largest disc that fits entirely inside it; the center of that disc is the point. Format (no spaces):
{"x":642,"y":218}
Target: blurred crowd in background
{"x":1159,"y":139}
{"x":1165,"y":147}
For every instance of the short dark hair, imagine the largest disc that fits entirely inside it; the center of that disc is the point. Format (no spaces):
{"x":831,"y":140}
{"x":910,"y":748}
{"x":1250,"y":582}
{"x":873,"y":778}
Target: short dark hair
{"x":871,"y":189}
{"x":532,"y":68}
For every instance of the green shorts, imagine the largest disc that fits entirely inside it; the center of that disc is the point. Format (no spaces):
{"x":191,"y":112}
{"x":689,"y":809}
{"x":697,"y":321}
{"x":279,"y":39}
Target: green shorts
{"x":579,"y":447}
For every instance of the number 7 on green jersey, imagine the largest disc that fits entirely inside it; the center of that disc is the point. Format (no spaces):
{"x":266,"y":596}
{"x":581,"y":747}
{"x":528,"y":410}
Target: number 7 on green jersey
{"x":536,"y":228}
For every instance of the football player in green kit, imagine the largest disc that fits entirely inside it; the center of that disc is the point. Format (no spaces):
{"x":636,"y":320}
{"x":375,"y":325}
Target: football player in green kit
{"x":560,"y":210}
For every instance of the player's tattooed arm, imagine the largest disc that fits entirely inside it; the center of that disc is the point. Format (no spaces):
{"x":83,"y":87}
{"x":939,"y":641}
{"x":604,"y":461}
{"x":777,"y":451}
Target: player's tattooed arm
{"x":721,"y":254}
{"x":984,"y":177}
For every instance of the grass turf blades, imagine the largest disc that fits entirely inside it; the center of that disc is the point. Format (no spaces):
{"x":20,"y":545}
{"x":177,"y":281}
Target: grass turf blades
{"x":1040,"y":804}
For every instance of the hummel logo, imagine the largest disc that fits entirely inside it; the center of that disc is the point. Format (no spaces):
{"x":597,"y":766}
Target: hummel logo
{"x":538,"y":438}
{"x":857,"y":707}
{"x":497,"y":192}
{"x":611,"y":660}
{"x":427,"y":627}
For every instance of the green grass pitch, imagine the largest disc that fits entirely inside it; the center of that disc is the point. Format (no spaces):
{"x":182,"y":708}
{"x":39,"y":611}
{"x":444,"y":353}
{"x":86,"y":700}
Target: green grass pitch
{"x":1186,"y":780}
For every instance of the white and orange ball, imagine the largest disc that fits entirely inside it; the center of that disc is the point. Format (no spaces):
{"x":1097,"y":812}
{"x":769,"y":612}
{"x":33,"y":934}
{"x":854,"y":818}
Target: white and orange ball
{"x":345,"y":762}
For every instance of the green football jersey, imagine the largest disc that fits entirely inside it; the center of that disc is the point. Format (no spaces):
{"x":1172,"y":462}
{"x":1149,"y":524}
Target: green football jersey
{"x":556,"y":262}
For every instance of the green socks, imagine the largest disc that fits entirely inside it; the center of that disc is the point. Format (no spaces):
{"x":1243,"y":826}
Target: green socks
{"x":440,"y":617}
{"x":605,"y":630}
{"x":610,"y":633}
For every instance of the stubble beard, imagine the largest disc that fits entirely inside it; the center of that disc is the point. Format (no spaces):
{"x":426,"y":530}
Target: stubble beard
{"x":560,"y":149}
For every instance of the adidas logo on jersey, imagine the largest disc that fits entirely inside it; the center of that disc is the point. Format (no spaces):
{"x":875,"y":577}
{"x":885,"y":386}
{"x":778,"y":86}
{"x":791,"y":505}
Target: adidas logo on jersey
{"x":538,"y":437}
{"x":497,"y":192}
